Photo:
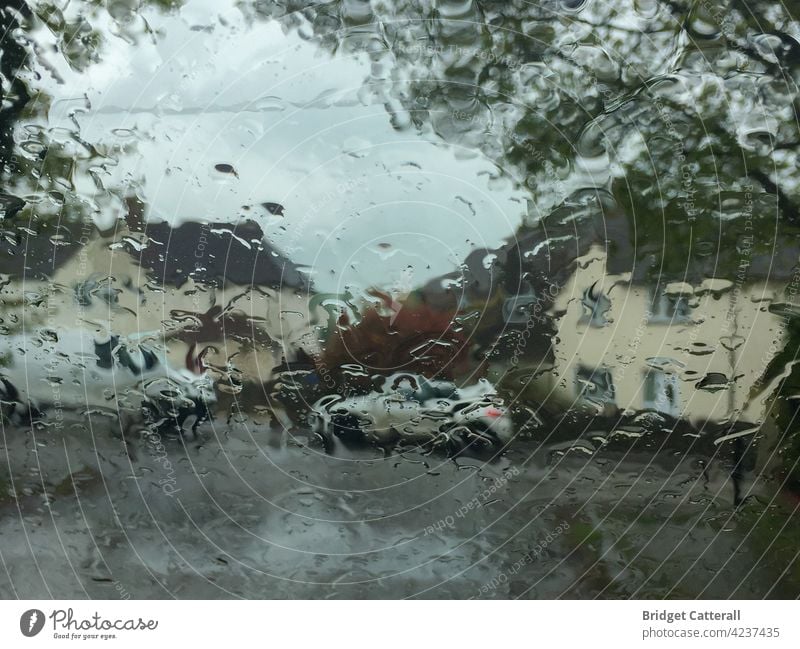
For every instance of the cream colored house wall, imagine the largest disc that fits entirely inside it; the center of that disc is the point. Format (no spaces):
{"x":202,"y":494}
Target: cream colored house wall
{"x":728,"y":331}
{"x":147,"y":312}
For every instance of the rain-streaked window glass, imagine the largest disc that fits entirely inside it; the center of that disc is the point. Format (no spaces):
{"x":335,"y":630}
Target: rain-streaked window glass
{"x":285,"y":286}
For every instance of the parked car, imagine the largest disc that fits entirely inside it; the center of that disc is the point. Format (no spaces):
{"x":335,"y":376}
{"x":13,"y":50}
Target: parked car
{"x":417,"y":411}
{"x":74,"y":371}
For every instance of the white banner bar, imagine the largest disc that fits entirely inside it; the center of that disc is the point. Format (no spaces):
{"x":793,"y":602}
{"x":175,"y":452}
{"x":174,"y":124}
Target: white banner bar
{"x":400,"y":624}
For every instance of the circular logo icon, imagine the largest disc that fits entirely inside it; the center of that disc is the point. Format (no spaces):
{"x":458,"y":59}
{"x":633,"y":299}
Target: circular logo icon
{"x":31,"y":622}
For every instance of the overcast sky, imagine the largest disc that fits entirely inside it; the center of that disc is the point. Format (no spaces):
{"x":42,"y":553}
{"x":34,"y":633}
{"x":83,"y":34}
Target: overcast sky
{"x":366,"y":204}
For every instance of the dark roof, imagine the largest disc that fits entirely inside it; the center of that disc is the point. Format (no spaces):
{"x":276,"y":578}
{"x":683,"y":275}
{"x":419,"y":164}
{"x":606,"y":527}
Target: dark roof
{"x":545,"y":254}
{"x":35,"y":250}
{"x":213,"y":252}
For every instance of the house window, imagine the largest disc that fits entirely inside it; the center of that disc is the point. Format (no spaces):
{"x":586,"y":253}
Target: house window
{"x":661,"y":392}
{"x":668,"y":309}
{"x":594,"y":385}
{"x":525,"y":307}
{"x":596,"y":306}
